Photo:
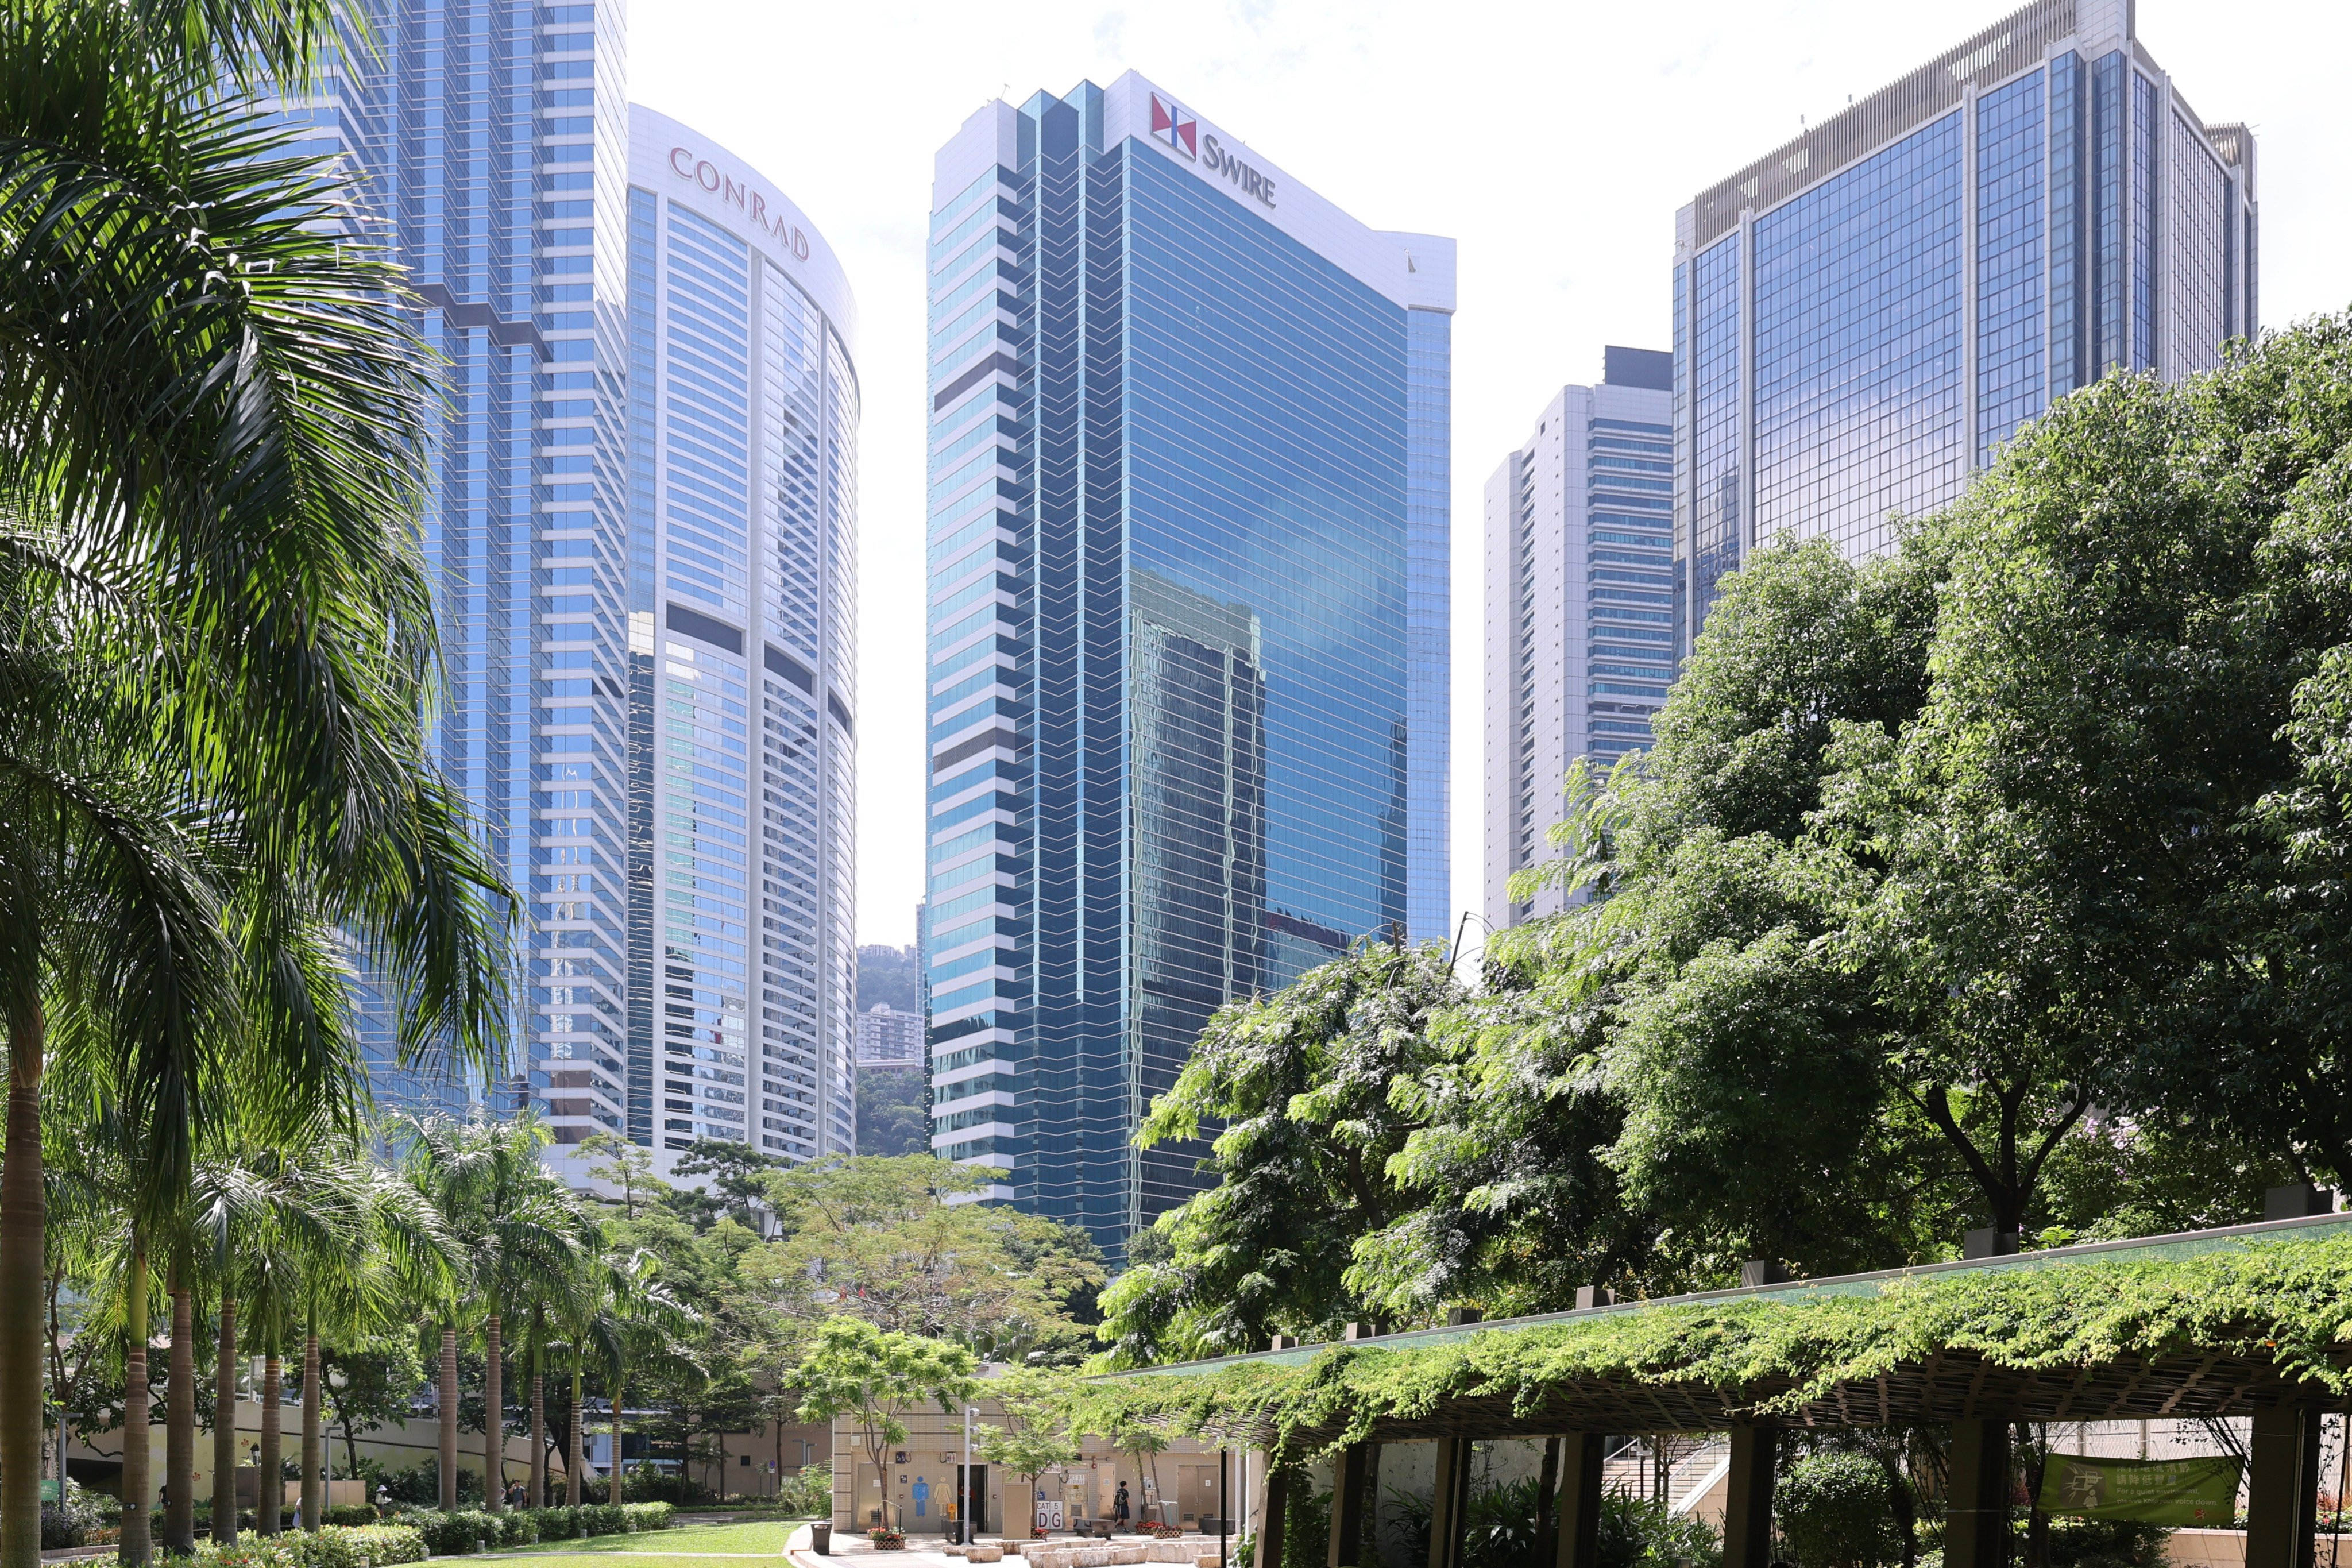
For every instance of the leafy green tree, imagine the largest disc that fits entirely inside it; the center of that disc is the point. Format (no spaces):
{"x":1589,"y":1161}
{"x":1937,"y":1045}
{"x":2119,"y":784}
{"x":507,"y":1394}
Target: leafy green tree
{"x":892,"y":1116}
{"x":876,"y":1376}
{"x":1305,"y":1085}
{"x":880,"y":1237}
{"x":737,"y":1173}
{"x":1033,"y":1437}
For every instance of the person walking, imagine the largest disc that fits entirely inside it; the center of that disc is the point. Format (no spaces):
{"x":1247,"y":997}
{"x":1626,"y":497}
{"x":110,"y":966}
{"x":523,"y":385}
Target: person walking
{"x":1120,"y":1510}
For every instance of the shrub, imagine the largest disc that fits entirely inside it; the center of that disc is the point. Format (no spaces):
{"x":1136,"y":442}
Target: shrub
{"x":807,"y":1493}
{"x":557,"y":1523}
{"x":518,"y":1527}
{"x":605,"y":1519}
{"x":2105,"y":1544}
{"x":449,"y":1535}
{"x":645,"y":1484}
{"x":382,"y":1545}
{"x":350,"y":1513}
{"x":1641,"y":1533}
{"x":645,"y":1516}
{"x":1835,"y":1512}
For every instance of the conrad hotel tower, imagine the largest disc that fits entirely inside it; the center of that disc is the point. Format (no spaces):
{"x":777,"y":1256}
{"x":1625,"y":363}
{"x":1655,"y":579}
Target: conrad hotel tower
{"x":1863,"y":315}
{"x":1189,"y":531}
{"x":641,"y":538}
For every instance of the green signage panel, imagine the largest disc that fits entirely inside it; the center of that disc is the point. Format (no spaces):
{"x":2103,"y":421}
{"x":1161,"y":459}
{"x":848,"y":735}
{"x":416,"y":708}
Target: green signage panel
{"x":2153,"y":1491}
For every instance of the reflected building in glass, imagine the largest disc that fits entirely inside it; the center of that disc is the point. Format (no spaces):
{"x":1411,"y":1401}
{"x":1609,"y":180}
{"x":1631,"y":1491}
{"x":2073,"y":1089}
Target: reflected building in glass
{"x":1580,"y":606}
{"x":1188,"y":627}
{"x":1863,"y":315}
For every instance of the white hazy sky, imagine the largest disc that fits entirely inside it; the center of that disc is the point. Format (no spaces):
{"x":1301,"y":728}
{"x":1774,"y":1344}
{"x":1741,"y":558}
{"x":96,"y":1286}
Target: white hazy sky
{"x":1553,"y":141}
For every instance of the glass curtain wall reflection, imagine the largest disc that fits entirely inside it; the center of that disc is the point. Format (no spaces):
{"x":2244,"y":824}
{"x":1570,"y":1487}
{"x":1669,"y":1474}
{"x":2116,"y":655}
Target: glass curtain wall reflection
{"x":1188,"y":527}
{"x":1864,"y":315}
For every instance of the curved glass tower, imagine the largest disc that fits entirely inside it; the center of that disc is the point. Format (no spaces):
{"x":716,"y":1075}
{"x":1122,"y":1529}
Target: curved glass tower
{"x":741,"y":524}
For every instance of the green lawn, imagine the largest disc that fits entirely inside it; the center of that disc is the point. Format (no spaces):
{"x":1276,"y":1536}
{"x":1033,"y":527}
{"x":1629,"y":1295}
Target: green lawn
{"x":763,"y":1538}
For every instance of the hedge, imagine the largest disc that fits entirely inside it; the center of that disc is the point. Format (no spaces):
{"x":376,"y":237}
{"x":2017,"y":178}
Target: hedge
{"x":335,"y":1546}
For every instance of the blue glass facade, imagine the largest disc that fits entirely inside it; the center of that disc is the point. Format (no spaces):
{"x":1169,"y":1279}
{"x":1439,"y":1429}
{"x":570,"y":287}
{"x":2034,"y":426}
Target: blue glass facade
{"x":1864,"y":316}
{"x":596,"y":472}
{"x":1181,"y":464}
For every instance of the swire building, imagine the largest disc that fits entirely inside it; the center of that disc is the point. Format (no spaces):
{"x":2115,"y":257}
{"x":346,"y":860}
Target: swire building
{"x":640,"y":530}
{"x":1187,"y":667}
{"x":1580,"y":606}
{"x":1862,"y":316}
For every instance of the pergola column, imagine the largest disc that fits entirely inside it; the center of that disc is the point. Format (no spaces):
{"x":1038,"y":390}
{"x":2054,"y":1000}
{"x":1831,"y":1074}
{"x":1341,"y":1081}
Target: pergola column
{"x":1273,"y":1516}
{"x":1352,"y":1501}
{"x":1449,"y":1504}
{"x":2283,"y":1489}
{"x":1747,"y":1499}
{"x":1976,"y":1507}
{"x":1579,"y":1519}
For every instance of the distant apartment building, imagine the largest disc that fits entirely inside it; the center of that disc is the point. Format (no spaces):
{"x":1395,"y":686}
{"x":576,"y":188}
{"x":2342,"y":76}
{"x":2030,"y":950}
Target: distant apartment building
{"x":1579,"y":605}
{"x":889,"y":1040}
{"x":1188,"y":659}
{"x":1864,"y":314}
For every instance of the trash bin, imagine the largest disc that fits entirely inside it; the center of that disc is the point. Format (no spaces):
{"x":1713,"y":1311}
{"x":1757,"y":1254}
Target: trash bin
{"x":821,"y":1537}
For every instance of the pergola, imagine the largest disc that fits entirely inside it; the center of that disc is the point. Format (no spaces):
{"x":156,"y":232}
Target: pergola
{"x":2243,"y":1320}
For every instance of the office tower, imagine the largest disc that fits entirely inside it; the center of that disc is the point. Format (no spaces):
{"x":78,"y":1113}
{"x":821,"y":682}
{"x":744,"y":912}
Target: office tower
{"x":889,"y":1039}
{"x":743,"y":433}
{"x":492,"y":147}
{"x":1863,"y":315}
{"x":1579,"y":606}
{"x":1189,"y":449}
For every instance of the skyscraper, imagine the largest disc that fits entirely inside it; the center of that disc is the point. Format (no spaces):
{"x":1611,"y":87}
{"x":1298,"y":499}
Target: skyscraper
{"x":742,"y":420}
{"x":492,"y":146}
{"x":1862,"y":316}
{"x":1579,"y":606}
{"x":1188,"y":667}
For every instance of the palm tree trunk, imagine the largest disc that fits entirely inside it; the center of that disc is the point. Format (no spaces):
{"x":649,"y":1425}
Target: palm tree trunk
{"x":575,"y":1465}
{"x":180,"y":1423}
{"x":314,"y":1415}
{"x":269,"y":1490}
{"x":24,"y":1217}
{"x":616,"y":1440}
{"x":448,"y":1417}
{"x":225,"y":1426}
{"x":538,"y":1415}
{"x":138,"y":1534}
{"x":494,"y":1425}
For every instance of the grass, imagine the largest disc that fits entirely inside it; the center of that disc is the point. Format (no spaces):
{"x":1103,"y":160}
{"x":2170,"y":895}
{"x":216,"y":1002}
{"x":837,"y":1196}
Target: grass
{"x":764,"y":1538}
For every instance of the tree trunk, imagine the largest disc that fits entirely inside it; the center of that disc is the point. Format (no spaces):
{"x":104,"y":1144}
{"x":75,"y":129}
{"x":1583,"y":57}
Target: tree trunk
{"x":180,"y":1423}
{"x":494,"y":1425}
{"x":575,"y":1468}
{"x":448,"y":1417}
{"x":617,"y":1439}
{"x":314,"y":1438}
{"x":24,"y":1217}
{"x":138,"y":1534}
{"x":225,"y":1426}
{"x":538,"y":1417}
{"x":269,"y":1490}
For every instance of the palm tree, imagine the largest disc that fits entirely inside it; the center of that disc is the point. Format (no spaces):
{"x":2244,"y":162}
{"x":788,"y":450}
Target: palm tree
{"x":637,"y":1326}
{"x":521,"y":1234}
{"x":212,"y":439}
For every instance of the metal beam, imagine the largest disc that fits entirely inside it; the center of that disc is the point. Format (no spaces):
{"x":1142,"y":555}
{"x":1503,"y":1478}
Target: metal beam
{"x":1748,"y":1512}
{"x":1351,"y":1483}
{"x":1975,"y":1508}
{"x":2283,"y":1489}
{"x":1449,"y":1504}
{"x":1578,"y":1513}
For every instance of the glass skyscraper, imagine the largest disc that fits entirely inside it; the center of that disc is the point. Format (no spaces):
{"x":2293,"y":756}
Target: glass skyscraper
{"x":1579,"y":606}
{"x":578,"y":512}
{"x":1188,"y":627}
{"x":1864,"y":314}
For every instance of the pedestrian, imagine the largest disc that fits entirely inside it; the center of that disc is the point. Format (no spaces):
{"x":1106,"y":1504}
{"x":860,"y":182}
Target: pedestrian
{"x":1120,"y":1510}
